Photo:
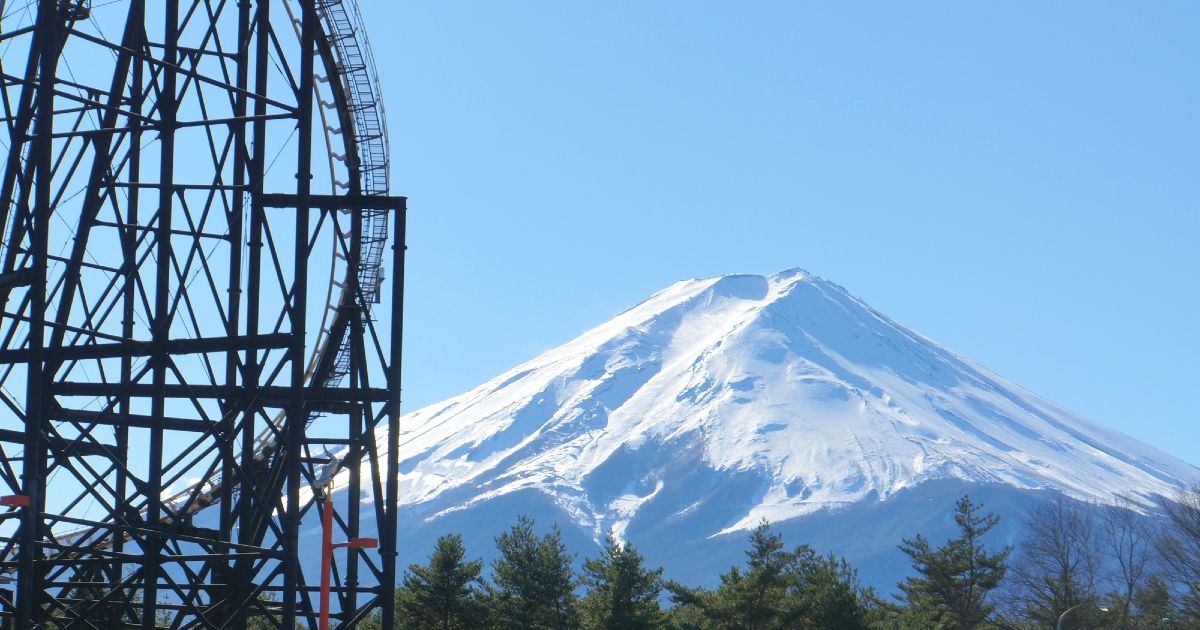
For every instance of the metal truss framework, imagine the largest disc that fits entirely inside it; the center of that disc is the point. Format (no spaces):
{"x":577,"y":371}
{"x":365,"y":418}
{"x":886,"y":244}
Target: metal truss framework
{"x":175,"y":368}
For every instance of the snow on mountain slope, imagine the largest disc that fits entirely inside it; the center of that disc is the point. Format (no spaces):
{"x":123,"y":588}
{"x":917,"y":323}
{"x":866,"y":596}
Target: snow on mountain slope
{"x":799,"y":392}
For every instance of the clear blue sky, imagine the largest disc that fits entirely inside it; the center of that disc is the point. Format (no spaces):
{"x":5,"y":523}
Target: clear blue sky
{"x":1019,"y":181}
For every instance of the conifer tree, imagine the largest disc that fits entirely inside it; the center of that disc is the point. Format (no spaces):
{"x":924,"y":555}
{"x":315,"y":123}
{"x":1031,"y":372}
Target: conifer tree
{"x":444,"y":594}
{"x":777,"y":589}
{"x":954,"y":580}
{"x":1153,"y":605}
{"x":757,"y":596}
{"x":827,"y":593}
{"x":622,"y":593}
{"x":751,"y":599}
{"x":533,"y":580}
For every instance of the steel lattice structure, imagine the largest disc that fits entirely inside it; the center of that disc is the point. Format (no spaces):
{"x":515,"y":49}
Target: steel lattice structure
{"x":195,"y":324}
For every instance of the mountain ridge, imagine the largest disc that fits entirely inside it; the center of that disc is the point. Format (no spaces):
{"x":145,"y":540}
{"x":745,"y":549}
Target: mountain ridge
{"x":787,"y":388}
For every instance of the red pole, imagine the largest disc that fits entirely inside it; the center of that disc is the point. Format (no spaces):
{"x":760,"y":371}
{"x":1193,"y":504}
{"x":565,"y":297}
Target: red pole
{"x":326,"y":559}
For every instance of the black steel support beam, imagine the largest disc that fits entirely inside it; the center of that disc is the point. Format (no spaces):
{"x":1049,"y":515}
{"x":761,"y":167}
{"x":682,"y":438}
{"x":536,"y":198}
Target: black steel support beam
{"x":271,"y":396}
{"x":168,"y":106}
{"x":156,"y":422}
{"x":150,"y":348}
{"x":335,"y":202}
{"x":296,"y":413}
{"x":388,"y":541}
{"x":33,"y":470}
{"x":155,"y":313}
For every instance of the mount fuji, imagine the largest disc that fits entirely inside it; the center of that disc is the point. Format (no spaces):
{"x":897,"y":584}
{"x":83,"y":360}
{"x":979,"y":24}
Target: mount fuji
{"x":685,"y":421}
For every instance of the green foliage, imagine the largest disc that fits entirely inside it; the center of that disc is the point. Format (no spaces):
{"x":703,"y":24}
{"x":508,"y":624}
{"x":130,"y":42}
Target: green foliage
{"x":749,"y":599}
{"x":259,"y":622}
{"x":622,"y":593}
{"x":954,"y":580}
{"x":533,"y":581}
{"x":923,"y":616}
{"x":264,"y":619}
{"x":1153,"y":606}
{"x":683,"y":617}
{"x":777,"y":589}
{"x":533,"y":586}
{"x":827,"y":593}
{"x":444,"y":594}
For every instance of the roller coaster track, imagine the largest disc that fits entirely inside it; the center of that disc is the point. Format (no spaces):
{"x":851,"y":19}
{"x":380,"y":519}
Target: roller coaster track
{"x":357,"y":99}
{"x":358,"y":84}
{"x":362,"y":125}
{"x":254,"y":481}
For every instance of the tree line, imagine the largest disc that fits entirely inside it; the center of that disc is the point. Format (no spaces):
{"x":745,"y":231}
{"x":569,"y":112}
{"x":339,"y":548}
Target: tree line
{"x":1078,"y":565}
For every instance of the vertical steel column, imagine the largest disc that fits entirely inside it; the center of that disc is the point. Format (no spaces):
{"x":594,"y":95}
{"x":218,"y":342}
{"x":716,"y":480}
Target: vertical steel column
{"x":357,"y":363}
{"x":233,"y":407}
{"x":249,"y":500}
{"x":129,"y":240}
{"x":296,"y":415}
{"x":387,"y":533}
{"x":84,"y":569}
{"x":33,"y":468}
{"x":167,"y":106}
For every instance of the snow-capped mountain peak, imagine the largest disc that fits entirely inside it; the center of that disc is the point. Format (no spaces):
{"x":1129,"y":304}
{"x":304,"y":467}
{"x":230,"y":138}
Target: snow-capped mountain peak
{"x":799,"y":391}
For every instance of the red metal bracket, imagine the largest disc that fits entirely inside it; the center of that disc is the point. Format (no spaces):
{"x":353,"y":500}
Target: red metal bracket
{"x":14,"y":500}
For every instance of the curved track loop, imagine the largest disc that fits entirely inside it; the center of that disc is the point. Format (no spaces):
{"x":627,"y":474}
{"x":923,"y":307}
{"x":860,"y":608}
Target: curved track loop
{"x":154,"y":307}
{"x":358,"y":105}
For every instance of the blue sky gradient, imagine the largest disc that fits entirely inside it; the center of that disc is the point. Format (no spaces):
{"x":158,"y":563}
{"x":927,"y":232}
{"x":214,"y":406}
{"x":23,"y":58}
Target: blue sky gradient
{"x":1017,"y":181}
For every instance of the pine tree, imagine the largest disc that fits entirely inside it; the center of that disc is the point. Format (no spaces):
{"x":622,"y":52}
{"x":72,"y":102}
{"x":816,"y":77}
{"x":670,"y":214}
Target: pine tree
{"x":777,"y":589}
{"x":911,"y":617}
{"x":757,"y":597}
{"x":955,"y":579}
{"x":534,"y":583}
{"x":751,"y":599}
{"x":1153,"y":605}
{"x":622,"y":593}
{"x":683,"y":617}
{"x":827,"y":593}
{"x":444,"y":594}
